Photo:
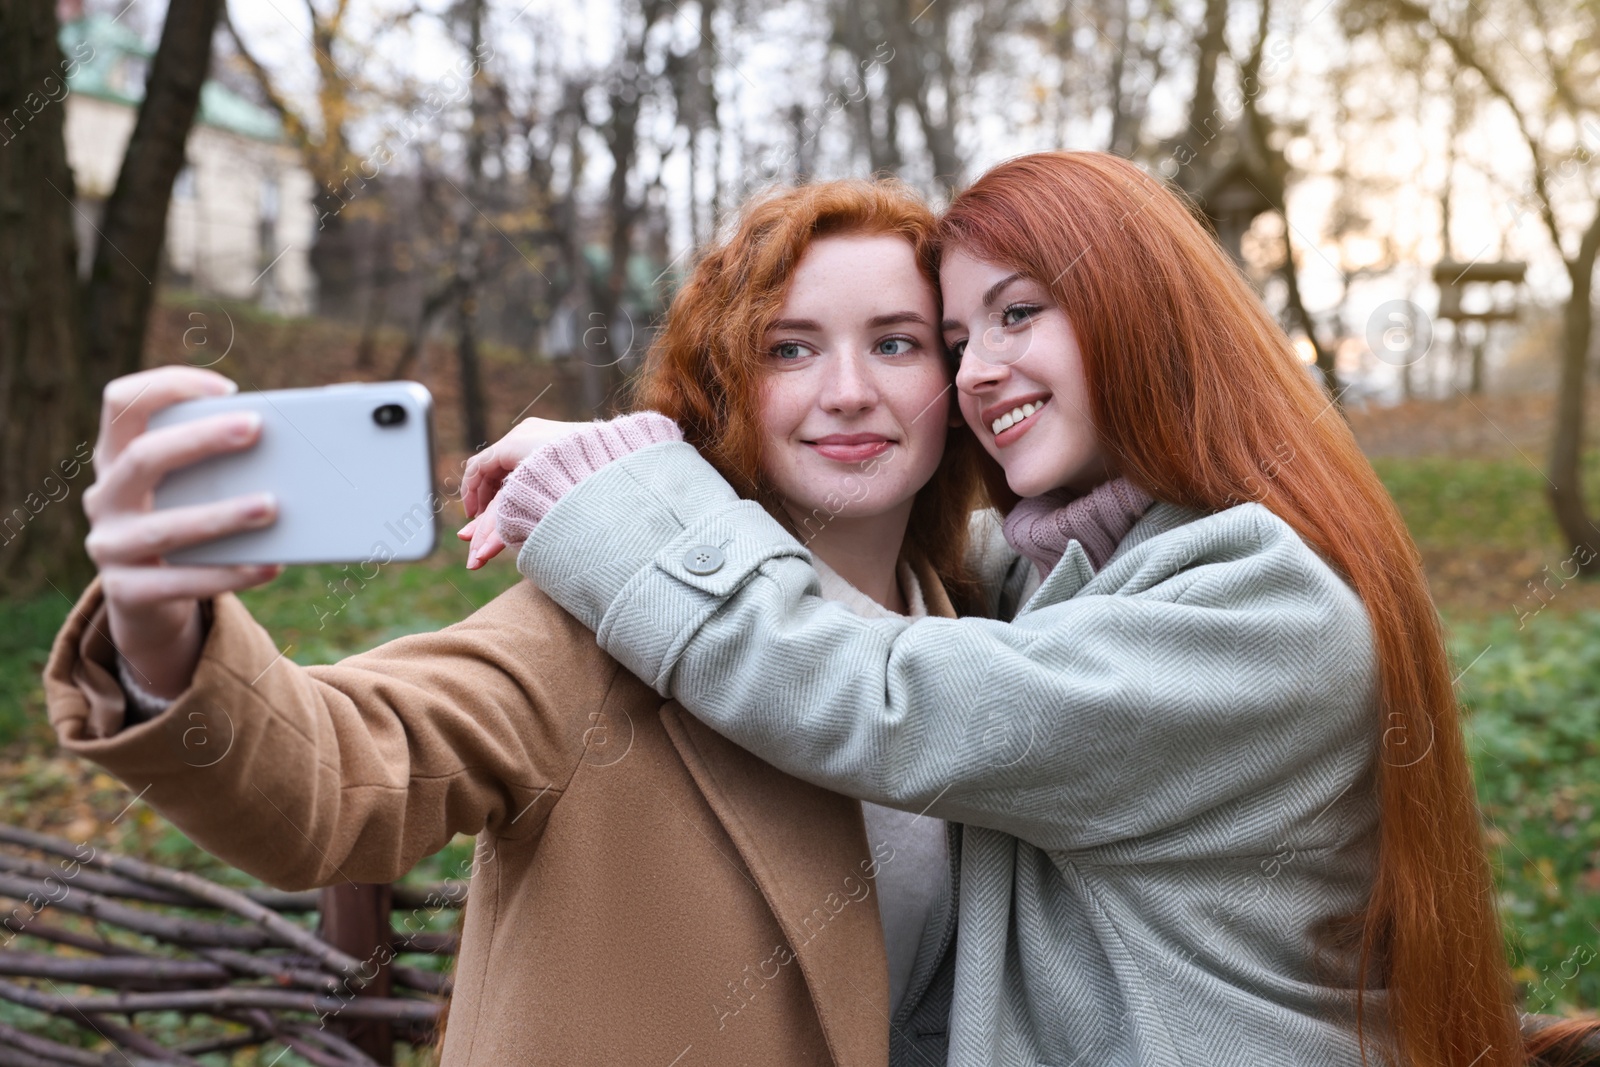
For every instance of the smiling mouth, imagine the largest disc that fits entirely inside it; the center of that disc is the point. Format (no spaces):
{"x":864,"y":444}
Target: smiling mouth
{"x":1016,"y":416}
{"x":851,"y":448}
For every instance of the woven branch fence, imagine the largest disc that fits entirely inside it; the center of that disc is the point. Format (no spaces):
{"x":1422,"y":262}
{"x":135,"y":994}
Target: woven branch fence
{"x":148,"y":939}
{"x":334,"y":994}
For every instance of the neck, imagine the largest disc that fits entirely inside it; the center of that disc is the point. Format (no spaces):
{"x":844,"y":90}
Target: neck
{"x":865,"y":552}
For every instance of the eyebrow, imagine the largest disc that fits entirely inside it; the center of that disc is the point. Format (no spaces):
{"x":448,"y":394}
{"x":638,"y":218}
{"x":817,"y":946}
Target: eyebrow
{"x":896,"y":318}
{"x":994,"y":290}
{"x":893,"y":318}
{"x":802,"y":325}
{"x":989,"y":296}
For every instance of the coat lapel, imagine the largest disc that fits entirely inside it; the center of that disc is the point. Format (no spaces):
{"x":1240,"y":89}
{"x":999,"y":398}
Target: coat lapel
{"x":807,"y":850}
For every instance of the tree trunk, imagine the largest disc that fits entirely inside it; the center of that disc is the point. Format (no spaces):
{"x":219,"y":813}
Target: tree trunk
{"x":1204,"y":120}
{"x":602,"y":372}
{"x":1297,"y":306}
{"x":47,"y":409}
{"x":474,"y":412}
{"x":61,"y":343}
{"x":122,"y":282}
{"x":380,"y":274}
{"x":1566,"y":449}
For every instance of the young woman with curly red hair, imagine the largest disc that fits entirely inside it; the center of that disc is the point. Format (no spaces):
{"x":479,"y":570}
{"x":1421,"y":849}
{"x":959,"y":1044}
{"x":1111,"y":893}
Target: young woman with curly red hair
{"x":1217,"y":802}
{"x":643,"y":891}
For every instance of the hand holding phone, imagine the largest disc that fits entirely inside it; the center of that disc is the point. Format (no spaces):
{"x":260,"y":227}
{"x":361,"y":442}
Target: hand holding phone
{"x":153,"y":608}
{"x":182,"y":437}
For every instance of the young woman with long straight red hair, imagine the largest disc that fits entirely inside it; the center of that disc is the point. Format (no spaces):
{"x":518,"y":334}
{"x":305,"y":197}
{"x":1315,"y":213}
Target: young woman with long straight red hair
{"x":1218,"y":806}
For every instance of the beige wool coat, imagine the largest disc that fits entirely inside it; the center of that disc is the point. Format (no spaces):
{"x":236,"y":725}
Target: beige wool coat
{"x":643,"y":891}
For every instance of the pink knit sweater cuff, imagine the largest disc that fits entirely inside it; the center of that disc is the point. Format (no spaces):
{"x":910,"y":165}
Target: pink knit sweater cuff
{"x":547,"y":474}
{"x":1040,"y":527}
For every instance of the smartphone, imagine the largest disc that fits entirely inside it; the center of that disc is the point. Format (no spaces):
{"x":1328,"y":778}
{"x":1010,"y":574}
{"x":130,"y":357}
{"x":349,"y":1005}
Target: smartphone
{"x":351,"y":466}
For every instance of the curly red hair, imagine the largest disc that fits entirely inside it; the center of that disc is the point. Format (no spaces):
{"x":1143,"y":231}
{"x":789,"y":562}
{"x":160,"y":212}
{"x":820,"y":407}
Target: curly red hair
{"x":704,"y":368}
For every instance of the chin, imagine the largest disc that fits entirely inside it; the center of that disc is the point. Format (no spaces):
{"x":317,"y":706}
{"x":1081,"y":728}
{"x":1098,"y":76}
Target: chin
{"x":1027,"y":483}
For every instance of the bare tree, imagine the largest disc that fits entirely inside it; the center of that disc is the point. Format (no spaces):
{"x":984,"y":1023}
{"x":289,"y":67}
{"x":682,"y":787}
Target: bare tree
{"x":323,"y":141}
{"x":62,"y":341}
{"x":1556,"y":111}
{"x":928,"y":57}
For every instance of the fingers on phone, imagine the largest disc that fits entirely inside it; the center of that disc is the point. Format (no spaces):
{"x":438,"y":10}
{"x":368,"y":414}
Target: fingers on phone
{"x":150,"y":456}
{"x":144,"y":537}
{"x":129,"y":401}
{"x":141,"y":586}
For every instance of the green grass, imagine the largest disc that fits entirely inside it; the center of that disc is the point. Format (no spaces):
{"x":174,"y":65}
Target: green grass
{"x":1532,"y":713}
{"x":1468,"y":503}
{"x":26,"y":629}
{"x":324,"y":613}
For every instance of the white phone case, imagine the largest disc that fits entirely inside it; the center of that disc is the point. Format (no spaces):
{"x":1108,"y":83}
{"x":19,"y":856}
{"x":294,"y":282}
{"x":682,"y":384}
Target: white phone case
{"x":352,"y":485}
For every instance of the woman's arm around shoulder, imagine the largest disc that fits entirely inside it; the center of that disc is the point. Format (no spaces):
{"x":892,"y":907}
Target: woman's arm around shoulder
{"x":1215,"y":657}
{"x":305,"y":776}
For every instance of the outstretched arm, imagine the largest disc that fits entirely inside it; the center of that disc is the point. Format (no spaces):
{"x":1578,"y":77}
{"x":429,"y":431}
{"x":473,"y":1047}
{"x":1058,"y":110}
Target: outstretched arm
{"x":306,"y":776}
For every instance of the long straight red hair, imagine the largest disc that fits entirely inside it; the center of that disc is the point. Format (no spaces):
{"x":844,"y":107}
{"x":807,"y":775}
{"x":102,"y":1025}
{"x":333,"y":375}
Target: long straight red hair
{"x":1198,"y":395}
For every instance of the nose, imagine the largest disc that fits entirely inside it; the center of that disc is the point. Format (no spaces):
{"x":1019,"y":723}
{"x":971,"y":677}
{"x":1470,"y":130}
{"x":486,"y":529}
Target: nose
{"x":980,"y":371}
{"x":852,"y":388}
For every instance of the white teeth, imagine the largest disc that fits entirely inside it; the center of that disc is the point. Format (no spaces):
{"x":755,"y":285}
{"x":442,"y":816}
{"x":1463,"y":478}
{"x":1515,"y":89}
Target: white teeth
{"x":1014,"y":416}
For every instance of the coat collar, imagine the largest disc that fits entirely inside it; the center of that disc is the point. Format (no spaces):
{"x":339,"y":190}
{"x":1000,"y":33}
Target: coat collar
{"x":1074,"y":571}
{"x":806,"y":848}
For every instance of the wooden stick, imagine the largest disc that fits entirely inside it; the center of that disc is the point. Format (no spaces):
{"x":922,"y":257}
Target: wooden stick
{"x":215,"y":1000}
{"x":123,"y":1038}
{"x":116,"y":971}
{"x":16,"y":1057}
{"x":279,"y":968}
{"x":338,"y":1046}
{"x":277,"y":1031}
{"x":161,"y":927}
{"x":450,"y":893}
{"x":436,"y":944}
{"x":44,"y":931}
{"x":21,"y":1041}
{"x":105,"y":884}
{"x":224,"y":1044}
{"x":281,"y":929}
{"x":432,"y":982}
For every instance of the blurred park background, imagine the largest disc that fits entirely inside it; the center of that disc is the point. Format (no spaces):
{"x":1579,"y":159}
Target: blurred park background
{"x":497,"y":197}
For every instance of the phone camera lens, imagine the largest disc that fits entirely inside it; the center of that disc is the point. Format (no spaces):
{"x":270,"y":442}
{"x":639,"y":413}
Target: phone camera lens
{"x":389,"y":415}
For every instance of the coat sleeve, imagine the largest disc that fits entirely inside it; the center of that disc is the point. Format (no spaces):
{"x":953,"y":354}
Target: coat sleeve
{"x":307,"y":776}
{"x":1227,"y":661}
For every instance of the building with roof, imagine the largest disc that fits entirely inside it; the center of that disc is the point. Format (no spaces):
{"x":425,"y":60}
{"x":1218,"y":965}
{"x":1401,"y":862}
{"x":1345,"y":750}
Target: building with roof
{"x":241,"y":222}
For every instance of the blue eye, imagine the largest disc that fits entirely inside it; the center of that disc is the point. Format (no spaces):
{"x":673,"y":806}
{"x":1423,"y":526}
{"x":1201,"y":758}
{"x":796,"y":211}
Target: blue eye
{"x":789,"y":350}
{"x":895,"y":346}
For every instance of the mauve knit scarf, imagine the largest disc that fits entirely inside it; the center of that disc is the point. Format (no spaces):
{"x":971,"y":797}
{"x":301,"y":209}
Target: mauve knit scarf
{"x":1040,"y":526}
